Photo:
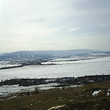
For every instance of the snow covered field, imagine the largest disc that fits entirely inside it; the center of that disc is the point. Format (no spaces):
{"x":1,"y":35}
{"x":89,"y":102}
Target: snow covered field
{"x":8,"y":89}
{"x":61,"y":69}
{"x":7,"y":64}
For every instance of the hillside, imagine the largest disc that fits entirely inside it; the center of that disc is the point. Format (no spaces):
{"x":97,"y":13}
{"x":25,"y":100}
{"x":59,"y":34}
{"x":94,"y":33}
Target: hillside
{"x":95,"y":96}
{"x":34,"y":55}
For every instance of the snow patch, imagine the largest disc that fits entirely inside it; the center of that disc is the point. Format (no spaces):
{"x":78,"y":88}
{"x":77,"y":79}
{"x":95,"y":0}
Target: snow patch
{"x":108,"y":92}
{"x":95,"y":93}
{"x":56,"y":107}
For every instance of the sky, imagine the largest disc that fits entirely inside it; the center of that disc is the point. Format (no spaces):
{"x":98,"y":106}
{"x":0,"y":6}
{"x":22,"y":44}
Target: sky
{"x":54,"y":25}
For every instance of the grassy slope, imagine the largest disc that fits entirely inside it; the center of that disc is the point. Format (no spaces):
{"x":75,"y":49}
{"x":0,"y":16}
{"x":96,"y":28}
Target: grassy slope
{"x":79,"y":98}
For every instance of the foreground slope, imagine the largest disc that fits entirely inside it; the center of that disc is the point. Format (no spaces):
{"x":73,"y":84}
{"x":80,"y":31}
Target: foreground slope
{"x":95,"y":96}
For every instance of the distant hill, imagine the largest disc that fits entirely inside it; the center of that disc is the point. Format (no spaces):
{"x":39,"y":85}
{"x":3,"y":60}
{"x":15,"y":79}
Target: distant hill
{"x":34,"y":55}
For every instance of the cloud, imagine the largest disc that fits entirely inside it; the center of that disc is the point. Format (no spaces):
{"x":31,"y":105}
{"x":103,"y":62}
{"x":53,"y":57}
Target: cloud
{"x":53,"y":24}
{"x":33,"y":30}
{"x":75,"y":29}
{"x":103,"y":25}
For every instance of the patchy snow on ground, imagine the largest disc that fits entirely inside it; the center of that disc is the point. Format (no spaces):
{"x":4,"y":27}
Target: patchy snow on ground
{"x":56,"y":107}
{"x":9,"y":89}
{"x":108,"y":92}
{"x":95,"y":93}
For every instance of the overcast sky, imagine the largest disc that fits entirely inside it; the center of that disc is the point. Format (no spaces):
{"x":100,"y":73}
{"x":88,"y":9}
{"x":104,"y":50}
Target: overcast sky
{"x":54,"y":25}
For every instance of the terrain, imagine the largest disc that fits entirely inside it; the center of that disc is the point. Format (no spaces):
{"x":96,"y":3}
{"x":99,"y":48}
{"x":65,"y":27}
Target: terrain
{"x":95,"y":96}
{"x":50,"y":54}
{"x":73,"y":80}
{"x":26,"y":58}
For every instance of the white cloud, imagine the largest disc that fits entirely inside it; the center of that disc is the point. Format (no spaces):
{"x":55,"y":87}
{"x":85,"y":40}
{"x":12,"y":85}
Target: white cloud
{"x":75,"y":29}
{"x":33,"y":30}
{"x":103,"y":25}
{"x":53,"y":24}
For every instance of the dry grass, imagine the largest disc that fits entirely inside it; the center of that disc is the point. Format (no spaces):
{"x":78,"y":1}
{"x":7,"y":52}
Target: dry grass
{"x":79,"y":98}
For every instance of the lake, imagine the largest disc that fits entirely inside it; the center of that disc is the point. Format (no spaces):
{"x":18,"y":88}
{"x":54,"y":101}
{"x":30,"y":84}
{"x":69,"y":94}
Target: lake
{"x":66,"y":68}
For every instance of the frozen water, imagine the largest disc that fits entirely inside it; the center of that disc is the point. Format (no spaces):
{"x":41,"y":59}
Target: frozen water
{"x":76,"y":68}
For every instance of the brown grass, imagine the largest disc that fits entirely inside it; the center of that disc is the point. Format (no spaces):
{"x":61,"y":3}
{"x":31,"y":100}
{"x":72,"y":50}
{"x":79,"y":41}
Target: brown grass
{"x":73,"y":97}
